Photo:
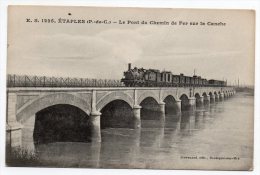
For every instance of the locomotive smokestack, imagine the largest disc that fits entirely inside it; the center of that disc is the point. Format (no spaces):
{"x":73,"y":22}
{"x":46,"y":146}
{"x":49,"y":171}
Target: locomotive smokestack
{"x":129,"y":66}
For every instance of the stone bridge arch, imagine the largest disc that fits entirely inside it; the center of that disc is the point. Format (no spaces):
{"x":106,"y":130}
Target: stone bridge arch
{"x":169,"y":93}
{"x":197,"y":95}
{"x":147,"y":94}
{"x":184,"y":102}
{"x":114,"y":96}
{"x":183,"y":94}
{"x":31,"y":108}
{"x":204,"y":94}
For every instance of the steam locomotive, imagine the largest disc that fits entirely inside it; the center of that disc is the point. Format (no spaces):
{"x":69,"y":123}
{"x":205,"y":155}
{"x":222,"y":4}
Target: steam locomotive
{"x":140,"y":77}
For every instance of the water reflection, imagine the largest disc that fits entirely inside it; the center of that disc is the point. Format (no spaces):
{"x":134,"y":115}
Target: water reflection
{"x":156,"y":142}
{"x":69,"y":154}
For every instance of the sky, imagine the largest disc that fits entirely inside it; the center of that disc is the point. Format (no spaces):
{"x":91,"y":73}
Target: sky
{"x":104,"y":50}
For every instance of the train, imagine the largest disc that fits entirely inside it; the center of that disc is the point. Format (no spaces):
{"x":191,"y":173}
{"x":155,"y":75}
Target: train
{"x":140,"y":77}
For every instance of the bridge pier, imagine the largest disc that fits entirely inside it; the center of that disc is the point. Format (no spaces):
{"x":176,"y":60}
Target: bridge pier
{"x":95,"y":126}
{"x":216,"y":97}
{"x":27,"y":134}
{"x":212,"y":98}
{"x":207,"y":99}
{"x":137,"y":116}
{"x":178,"y":106}
{"x":192,"y":103}
{"x":95,"y":119}
{"x":13,"y":128}
{"x":162,"y":107}
{"x":200,"y":101}
{"x":227,"y":96}
{"x":221,"y":96}
{"x":13,"y":135}
{"x":162,"y":110}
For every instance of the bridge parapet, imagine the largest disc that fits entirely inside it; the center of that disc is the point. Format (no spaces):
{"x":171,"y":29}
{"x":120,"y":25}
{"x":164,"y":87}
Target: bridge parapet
{"x":45,"y":81}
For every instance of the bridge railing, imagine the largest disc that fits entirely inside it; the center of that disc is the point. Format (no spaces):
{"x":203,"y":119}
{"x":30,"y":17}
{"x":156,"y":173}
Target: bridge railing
{"x":44,"y":81}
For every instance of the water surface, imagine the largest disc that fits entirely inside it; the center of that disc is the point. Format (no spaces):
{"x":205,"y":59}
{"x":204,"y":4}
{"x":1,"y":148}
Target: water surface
{"x":192,"y":140}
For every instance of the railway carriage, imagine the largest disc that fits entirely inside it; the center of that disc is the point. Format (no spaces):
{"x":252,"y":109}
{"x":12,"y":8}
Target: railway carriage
{"x":139,"y":77}
{"x":187,"y":81}
{"x":175,"y":80}
{"x":196,"y":80}
{"x":150,"y":77}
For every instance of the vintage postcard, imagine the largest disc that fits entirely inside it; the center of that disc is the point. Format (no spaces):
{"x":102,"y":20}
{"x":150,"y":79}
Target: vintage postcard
{"x":130,"y":88}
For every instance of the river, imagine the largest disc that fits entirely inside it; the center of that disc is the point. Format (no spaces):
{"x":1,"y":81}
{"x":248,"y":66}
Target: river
{"x":192,"y":140}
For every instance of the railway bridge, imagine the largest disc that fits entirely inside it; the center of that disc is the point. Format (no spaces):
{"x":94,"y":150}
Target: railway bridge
{"x":30,"y":108}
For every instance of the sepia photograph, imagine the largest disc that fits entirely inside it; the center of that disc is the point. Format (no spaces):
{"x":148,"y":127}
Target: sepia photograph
{"x":130,"y":88}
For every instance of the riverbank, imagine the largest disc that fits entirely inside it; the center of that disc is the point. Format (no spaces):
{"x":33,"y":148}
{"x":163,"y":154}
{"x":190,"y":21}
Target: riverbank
{"x":249,"y":90}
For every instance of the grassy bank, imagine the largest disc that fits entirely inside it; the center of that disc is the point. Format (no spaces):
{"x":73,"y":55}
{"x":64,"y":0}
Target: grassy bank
{"x":19,"y":157}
